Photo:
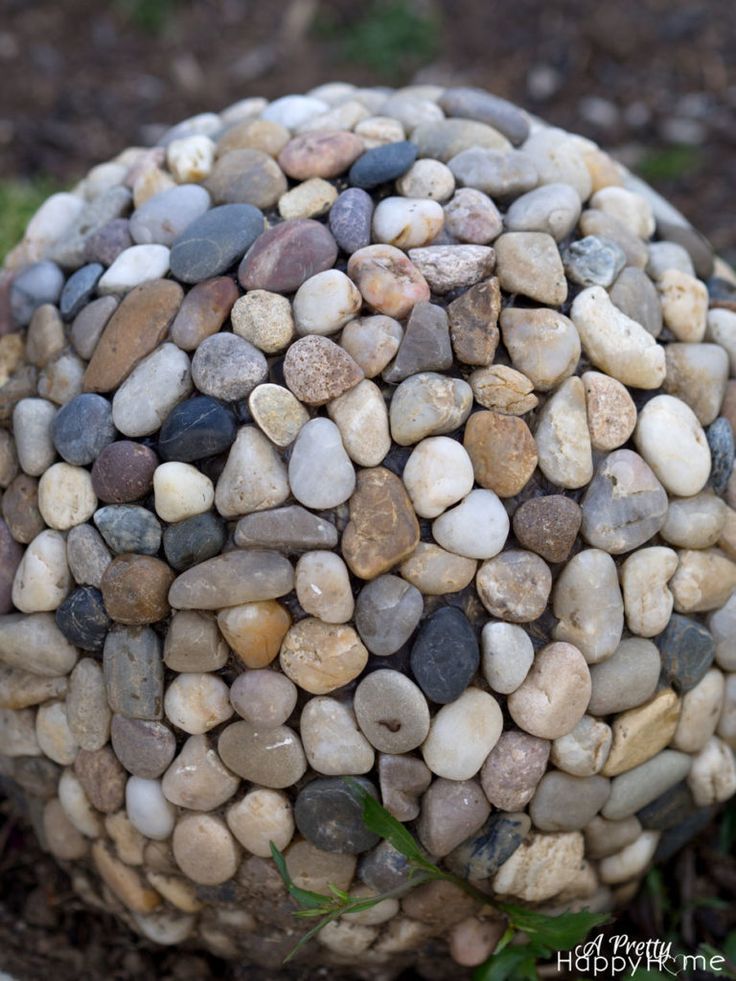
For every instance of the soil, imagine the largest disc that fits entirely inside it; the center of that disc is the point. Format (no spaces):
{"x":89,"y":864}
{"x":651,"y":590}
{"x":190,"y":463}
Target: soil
{"x":650,"y":79}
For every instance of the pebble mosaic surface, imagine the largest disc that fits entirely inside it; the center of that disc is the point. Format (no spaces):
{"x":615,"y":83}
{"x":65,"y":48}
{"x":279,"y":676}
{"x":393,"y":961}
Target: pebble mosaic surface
{"x":375,"y":433}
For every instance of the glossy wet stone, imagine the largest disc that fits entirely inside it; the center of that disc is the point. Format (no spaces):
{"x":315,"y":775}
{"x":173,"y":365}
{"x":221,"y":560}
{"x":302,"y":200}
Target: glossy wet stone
{"x":445,"y":655}
{"x":328,"y":813}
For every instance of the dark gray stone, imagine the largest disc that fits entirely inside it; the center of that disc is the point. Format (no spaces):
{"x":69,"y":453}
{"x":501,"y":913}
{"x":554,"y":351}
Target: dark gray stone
{"x":445,"y":655}
{"x":83,"y":620}
{"x":195,"y":429}
{"x":190,"y":542}
{"x":83,"y":428}
{"x":687,"y":650}
{"x":214,"y":242}
{"x":483,"y":855}
{"x":669,"y":809}
{"x":78,"y":289}
{"x":382,"y":164}
{"x":291,"y":529}
{"x":386,"y":613}
{"x":329,"y":814}
{"x":384,"y":868}
{"x":722,"y":451}
{"x":425,"y":346}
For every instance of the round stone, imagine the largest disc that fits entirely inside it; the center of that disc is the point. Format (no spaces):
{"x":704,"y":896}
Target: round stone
{"x":328,"y":813}
{"x":507,"y":655}
{"x":135,"y":589}
{"x":323,"y":587}
{"x":264,"y":319}
{"x":211,"y":244}
{"x":227,"y":367}
{"x":204,"y":849}
{"x":263,"y":816}
{"x":320,"y":154}
{"x":325,"y":303}
{"x":246,"y":177}
{"x":266,"y":699}
{"x":391,"y":711}
{"x":462,"y":735}
{"x":123,"y":472}
{"x":382,"y":164}
{"x":554,"y":695}
{"x":196,"y":428}
{"x":269,"y":757}
{"x":255,"y":630}
{"x":321,"y":657}
{"x":66,"y":496}
{"x":194,"y":540}
{"x":515,"y":586}
{"x":387,"y":611}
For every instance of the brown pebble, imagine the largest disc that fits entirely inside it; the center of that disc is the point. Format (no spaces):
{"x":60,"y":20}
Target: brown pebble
{"x":135,"y":589}
{"x":383,"y":529}
{"x":123,"y":881}
{"x":123,"y":472}
{"x":502,"y":450}
{"x":203,"y":311}
{"x":138,"y":326}
{"x":548,"y":526}
{"x":323,"y":153}
{"x":254,"y":134}
{"x":473,"y":317}
{"x":20,"y":509}
{"x":513,"y":769}
{"x":317,"y":370}
{"x":45,"y":337}
{"x":22,"y":384}
{"x":284,"y":256}
{"x":611,"y":411}
{"x":102,"y":778}
{"x":246,"y":177}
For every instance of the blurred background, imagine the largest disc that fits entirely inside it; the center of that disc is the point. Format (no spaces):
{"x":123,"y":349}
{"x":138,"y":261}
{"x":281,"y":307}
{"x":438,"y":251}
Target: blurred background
{"x":653,"y":80}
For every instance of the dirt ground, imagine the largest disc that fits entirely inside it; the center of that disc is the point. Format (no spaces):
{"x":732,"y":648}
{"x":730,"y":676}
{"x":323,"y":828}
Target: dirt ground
{"x":653,"y":80}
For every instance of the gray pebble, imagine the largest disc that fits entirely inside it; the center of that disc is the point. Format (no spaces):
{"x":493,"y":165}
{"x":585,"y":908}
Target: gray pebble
{"x":636,"y":295}
{"x":129,"y":528}
{"x":291,"y":529}
{"x":144,"y":748}
{"x":163,"y":217}
{"x":134,"y":677}
{"x":35,"y":285}
{"x":78,"y":289}
{"x":82,"y":428}
{"x":593,"y":261}
{"x":87,"y":555}
{"x":386,"y":613}
{"x":350,"y":219}
{"x":228,"y":367}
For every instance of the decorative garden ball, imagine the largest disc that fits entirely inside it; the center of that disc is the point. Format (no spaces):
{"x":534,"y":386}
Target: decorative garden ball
{"x":385,"y":436}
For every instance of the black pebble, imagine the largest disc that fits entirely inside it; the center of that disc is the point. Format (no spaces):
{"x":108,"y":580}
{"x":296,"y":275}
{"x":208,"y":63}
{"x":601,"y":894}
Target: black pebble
{"x":329,"y":814}
{"x":195,"y":429}
{"x":83,"y":620}
{"x":194,"y":540}
{"x":445,"y":655}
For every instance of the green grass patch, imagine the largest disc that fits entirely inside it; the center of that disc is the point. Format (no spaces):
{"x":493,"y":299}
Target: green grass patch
{"x":391,"y":38}
{"x":670,"y":163}
{"x":18,"y":201}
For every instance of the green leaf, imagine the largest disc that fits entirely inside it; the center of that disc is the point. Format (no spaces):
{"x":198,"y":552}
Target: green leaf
{"x":378,"y":820}
{"x":311,"y":933}
{"x":557,"y":932}
{"x":518,"y":963}
{"x":306,"y":899}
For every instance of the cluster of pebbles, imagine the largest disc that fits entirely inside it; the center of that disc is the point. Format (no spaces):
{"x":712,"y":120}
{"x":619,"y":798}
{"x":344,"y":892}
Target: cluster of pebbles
{"x":386,"y":434}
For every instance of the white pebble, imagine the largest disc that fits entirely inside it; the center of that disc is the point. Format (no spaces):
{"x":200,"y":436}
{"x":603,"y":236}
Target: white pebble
{"x":293,"y":111}
{"x":135,"y":265}
{"x":362,"y":418}
{"x":631,"y":861}
{"x":712,"y":777}
{"x":190,"y":159}
{"x":197,"y":702}
{"x":333,"y":743}
{"x":648,"y":601}
{"x":326,"y":302}
{"x":721,"y":328}
{"x":77,"y":807}
{"x":317,"y":451}
{"x":407,"y":223}
{"x":148,"y":810}
{"x":42,"y":579}
{"x":563,"y":437}
{"x":631,"y":209}
{"x":151,"y":391}
{"x":65,"y":496}
{"x":476,"y":529}
{"x":507,"y":655}
{"x":684,"y":305}
{"x":671,"y":440}
{"x":32,"y":420}
{"x":181,"y":491}
{"x":462,"y":734}
{"x":261,"y":817}
{"x":427,"y":178}
{"x":438,"y":473}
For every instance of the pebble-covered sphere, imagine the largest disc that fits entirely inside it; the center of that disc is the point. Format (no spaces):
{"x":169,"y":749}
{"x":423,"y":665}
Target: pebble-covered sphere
{"x":371,"y":433}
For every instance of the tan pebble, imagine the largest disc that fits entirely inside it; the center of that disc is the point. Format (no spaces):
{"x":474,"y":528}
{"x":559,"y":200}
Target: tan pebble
{"x":640,"y":733}
{"x":704,"y":580}
{"x":554,"y":695}
{"x":128,"y":841}
{"x":204,"y":849}
{"x":176,"y":891}
{"x":701,"y":710}
{"x":264,"y":319}
{"x":541,"y":866}
{"x":312,"y":199}
{"x":503,"y":389}
{"x":62,"y":838}
{"x":435,"y":571}
{"x":543,"y":344}
{"x":611,"y":411}
{"x":261,"y":817}
{"x":255,"y":630}
{"x":311,"y":868}
{"x":712,"y":778}
{"x":502,"y":450}
{"x":321,"y":657}
{"x":277,"y":413}
{"x":684,"y":305}
{"x":648,"y":601}
{"x":270,"y":757}
{"x":124,"y":881}
{"x":563,"y":439}
{"x":472,"y":941}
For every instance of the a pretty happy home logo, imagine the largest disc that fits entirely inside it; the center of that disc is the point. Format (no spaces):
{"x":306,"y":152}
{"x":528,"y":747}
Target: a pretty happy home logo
{"x":617,"y":956}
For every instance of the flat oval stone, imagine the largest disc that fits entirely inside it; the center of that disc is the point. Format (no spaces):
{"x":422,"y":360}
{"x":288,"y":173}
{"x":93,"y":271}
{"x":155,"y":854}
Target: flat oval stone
{"x":261,"y":817}
{"x":386,"y":612}
{"x":291,"y":529}
{"x":82,"y":429}
{"x":323,"y":587}
{"x":82,"y":618}
{"x":502,"y":450}
{"x":277,"y":412}
{"x":428,"y":404}
{"x":671,"y":440}
{"x":138,"y":326}
{"x":462,"y":735}
{"x":269,"y":757}
{"x":624,"y":505}
{"x":350,"y":219}
{"x":471,"y":103}
{"x":33,"y":421}
{"x":233,"y":578}
{"x":213,"y":243}
{"x":636,"y":295}
{"x":144,"y":747}
{"x":329,"y":815}
{"x":134,"y":677}
{"x":382,"y":164}
{"x":106,"y":244}
{"x":129,"y":528}
{"x":332,"y":741}
{"x":445,"y":655}
{"x":246,"y":176}
{"x":137,"y":265}
{"x":632,"y":791}
{"x":391,"y":711}
{"x":566,"y":803}
{"x":89,"y":324}
{"x":554,"y":695}
{"x":135,"y":587}
{"x":227,"y":367}
{"x":444,"y":139}
{"x":287,"y":255}
{"x":587,"y":600}
{"x":435,"y":571}
{"x":203,"y":311}
{"x":123,"y":472}
{"x":626,"y":679}
{"x":163,"y":217}
{"x":204,"y":849}
{"x":194,"y":540}
{"x":78,"y":289}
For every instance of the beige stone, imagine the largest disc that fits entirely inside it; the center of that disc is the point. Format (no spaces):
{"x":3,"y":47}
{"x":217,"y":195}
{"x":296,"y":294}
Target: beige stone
{"x":640,"y":733}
